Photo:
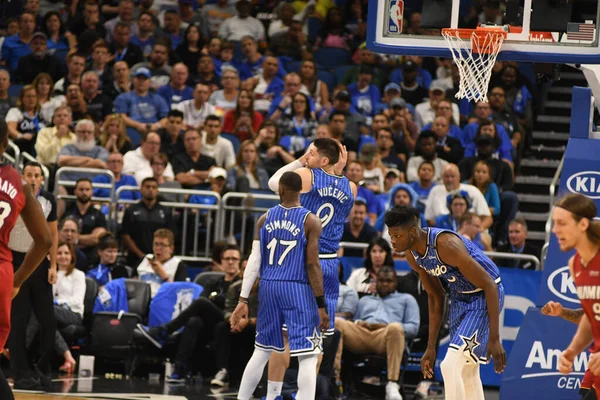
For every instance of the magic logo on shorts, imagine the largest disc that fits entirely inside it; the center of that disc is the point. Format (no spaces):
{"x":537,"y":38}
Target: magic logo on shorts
{"x":395,"y":16}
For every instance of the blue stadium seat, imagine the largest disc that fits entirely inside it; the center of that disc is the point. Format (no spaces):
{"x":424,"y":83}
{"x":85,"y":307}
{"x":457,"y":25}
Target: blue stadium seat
{"x":233,"y":139}
{"x":314,"y":29}
{"x":340,"y":72}
{"x":328,"y":78}
{"x":14,"y":89}
{"x":331,"y":58}
{"x":237,"y":51}
{"x":293,"y":66}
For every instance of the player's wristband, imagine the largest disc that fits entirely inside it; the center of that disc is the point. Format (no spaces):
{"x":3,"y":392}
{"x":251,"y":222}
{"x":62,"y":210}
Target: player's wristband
{"x":245,"y":301}
{"x":321,"y":301}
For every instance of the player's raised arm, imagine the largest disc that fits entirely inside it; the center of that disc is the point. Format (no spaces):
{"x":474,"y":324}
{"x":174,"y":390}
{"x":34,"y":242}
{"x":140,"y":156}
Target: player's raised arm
{"x":312,"y":227}
{"x":35,"y":221}
{"x":452,"y":251}
{"x":435,"y":300}
{"x":293,"y":166}
{"x":250,"y":276}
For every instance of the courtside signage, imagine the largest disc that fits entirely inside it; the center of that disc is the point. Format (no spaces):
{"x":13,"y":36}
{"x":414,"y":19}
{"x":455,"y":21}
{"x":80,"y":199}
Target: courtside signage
{"x":586,"y":183}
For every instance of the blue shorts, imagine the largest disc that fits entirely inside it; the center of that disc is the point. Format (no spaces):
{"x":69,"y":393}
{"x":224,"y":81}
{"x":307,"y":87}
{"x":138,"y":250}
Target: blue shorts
{"x":292,"y":304}
{"x":331,"y":286}
{"x":470,"y":324}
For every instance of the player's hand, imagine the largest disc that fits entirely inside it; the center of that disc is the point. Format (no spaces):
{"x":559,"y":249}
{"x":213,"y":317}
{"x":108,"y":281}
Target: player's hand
{"x":427,"y":363}
{"x":496,"y":351}
{"x":565,"y":362}
{"x":15,"y":291}
{"x":240,"y":313}
{"x":341,"y":164}
{"x":594,"y":364}
{"x":324,"y":319}
{"x":52,"y":275}
{"x":552,"y":308}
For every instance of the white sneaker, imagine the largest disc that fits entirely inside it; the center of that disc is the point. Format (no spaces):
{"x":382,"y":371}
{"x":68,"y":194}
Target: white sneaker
{"x":221,"y":379}
{"x":422,"y":390}
{"x":392,"y":391}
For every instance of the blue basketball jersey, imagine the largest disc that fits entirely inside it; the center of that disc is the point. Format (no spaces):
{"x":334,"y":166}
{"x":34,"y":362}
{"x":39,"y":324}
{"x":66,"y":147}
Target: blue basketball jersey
{"x":457,"y":283}
{"x":283,"y":245}
{"x":331,"y":200}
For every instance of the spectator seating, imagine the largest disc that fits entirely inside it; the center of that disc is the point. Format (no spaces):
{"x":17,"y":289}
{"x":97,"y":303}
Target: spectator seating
{"x":328,"y":78}
{"x":111,"y":331}
{"x":330,"y":58}
{"x":204,"y":278}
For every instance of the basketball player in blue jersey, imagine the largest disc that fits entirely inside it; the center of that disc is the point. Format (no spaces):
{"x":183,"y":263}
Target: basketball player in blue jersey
{"x":330,"y":196}
{"x":286,"y":246}
{"x":476,"y":298}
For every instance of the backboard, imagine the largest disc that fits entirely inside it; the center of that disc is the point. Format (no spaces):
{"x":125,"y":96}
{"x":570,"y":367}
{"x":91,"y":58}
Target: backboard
{"x":554,"y":31}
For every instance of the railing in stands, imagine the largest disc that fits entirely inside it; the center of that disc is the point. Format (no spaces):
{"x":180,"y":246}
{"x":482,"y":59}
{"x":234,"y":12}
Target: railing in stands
{"x":492,"y":254}
{"x":14,"y":160}
{"x":552,"y":190}
{"x":90,"y":172}
{"x":211,"y":214}
{"x":254,"y":203}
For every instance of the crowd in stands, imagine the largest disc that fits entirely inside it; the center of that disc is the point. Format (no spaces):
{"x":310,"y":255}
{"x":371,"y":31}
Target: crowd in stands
{"x":176,"y":94}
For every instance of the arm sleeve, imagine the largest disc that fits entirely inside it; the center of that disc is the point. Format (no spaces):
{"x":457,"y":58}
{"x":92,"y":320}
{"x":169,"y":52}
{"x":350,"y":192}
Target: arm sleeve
{"x":274,"y":181}
{"x":252,"y":268}
{"x":120,"y":104}
{"x":412,"y":317}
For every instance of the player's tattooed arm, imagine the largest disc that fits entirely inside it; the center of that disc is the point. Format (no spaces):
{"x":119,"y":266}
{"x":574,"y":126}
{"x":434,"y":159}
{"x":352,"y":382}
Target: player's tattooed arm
{"x":573,"y":316}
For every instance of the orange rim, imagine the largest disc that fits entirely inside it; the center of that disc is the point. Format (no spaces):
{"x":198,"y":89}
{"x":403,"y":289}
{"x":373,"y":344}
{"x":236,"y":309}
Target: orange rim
{"x":479,"y":32}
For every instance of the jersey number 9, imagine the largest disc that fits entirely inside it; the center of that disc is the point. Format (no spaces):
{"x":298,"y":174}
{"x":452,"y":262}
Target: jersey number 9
{"x":325,"y":214}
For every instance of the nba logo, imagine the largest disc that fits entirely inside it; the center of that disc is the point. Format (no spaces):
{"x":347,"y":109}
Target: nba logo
{"x":395,"y":15}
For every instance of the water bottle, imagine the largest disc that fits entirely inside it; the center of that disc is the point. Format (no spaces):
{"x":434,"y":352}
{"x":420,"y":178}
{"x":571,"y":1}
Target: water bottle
{"x":168,"y":368}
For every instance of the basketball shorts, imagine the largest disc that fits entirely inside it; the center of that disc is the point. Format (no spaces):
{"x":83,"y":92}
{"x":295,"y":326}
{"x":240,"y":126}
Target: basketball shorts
{"x":589,"y":380}
{"x":470,"y":324}
{"x":292,"y":304}
{"x":331,"y":286}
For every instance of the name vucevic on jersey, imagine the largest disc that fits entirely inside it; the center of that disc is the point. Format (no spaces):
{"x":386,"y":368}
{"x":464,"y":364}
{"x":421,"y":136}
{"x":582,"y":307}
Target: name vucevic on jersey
{"x":591,"y":292}
{"x":283,"y":224}
{"x":333,"y":192}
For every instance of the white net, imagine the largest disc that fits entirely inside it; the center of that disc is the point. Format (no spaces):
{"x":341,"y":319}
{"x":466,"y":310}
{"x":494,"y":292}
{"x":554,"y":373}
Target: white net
{"x":475,"y":56}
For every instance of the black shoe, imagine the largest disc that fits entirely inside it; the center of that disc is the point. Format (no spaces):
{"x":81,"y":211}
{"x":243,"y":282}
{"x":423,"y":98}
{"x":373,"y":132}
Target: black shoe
{"x":179,"y":375}
{"x":45,"y":379}
{"x":27,"y":383}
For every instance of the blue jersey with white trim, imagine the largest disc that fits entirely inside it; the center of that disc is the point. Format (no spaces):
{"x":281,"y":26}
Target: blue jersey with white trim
{"x":283,"y":245}
{"x":331,"y":200}
{"x":457,"y":282}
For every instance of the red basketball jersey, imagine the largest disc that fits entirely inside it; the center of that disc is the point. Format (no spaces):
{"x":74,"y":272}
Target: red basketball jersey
{"x":587,"y":280}
{"x":12,"y":201}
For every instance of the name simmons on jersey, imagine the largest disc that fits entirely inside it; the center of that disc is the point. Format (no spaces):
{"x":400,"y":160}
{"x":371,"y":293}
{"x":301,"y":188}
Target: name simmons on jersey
{"x":282,"y":224}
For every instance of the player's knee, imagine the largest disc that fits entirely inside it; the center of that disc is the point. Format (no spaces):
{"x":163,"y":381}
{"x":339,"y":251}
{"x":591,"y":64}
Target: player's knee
{"x":395,"y":330}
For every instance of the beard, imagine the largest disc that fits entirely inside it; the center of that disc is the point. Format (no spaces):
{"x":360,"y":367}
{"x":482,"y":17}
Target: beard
{"x":85,"y":145}
{"x":84,"y":199}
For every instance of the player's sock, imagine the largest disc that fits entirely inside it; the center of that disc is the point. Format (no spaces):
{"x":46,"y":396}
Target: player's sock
{"x":253,"y":372}
{"x":273,"y":389}
{"x":472,"y":382}
{"x":452,"y":367}
{"x":307,"y":377}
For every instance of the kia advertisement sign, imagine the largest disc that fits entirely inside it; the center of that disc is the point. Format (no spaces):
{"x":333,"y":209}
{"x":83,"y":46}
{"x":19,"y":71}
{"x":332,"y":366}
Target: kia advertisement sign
{"x":562,"y":286}
{"x":586,"y":183}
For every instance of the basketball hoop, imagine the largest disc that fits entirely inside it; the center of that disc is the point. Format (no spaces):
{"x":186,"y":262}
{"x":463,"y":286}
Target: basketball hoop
{"x":475,"y":51}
